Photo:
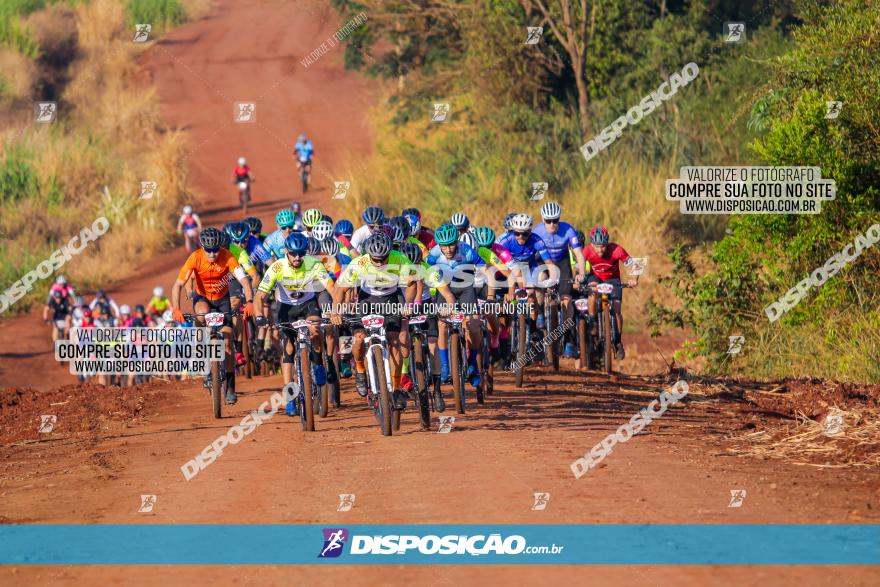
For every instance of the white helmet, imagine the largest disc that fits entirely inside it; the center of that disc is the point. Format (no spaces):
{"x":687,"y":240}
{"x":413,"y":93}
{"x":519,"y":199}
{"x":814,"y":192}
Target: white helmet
{"x":550,"y":211}
{"x":322,"y":230}
{"x":521,"y":222}
{"x":460,"y":221}
{"x":242,"y":161}
{"x":187,"y":209}
{"x":61,"y":280}
{"x":125,"y":309}
{"x":468,"y":239}
{"x":158,"y":291}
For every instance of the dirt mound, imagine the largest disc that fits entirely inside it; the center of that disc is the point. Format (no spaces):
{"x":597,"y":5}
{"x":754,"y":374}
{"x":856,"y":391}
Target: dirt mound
{"x":80,"y":410}
{"x":813,"y":422}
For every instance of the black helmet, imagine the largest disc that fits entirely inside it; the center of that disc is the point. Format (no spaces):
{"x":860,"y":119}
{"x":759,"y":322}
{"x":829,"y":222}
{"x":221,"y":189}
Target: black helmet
{"x":238,"y":231}
{"x":378,"y":246}
{"x":413,"y":252}
{"x":582,"y":238}
{"x":330,"y":246}
{"x":374,"y":215}
{"x":211,"y":238}
{"x":328,"y":218}
{"x":225,"y":241}
{"x":140,"y":308}
{"x":254,"y":224}
{"x":314,"y":246}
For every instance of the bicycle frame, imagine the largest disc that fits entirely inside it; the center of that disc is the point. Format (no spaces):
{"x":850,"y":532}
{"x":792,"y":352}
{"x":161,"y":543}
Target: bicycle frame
{"x":375,"y":328}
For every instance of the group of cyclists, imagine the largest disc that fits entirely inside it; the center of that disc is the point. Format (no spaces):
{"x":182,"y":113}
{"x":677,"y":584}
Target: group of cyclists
{"x":65,"y":309}
{"x":312,"y":268}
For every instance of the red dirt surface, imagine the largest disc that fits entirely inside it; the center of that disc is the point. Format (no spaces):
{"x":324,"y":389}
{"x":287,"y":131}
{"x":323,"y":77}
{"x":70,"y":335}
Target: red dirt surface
{"x":117,"y":447}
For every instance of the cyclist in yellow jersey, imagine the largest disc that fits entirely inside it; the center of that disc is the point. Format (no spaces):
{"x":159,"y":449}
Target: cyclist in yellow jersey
{"x":158,"y":303}
{"x":377,"y":275}
{"x":295,"y":279}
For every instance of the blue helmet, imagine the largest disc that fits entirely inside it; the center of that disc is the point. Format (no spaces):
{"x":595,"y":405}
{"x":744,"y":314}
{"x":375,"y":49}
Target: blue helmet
{"x":345,"y":228}
{"x":374,"y":215}
{"x":297,"y":243}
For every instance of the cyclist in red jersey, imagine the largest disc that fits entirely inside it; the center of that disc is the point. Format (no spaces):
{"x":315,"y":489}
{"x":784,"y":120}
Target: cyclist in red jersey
{"x":604,"y":258}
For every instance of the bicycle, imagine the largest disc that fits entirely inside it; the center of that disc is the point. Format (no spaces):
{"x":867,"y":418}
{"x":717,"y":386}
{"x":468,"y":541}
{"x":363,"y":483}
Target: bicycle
{"x":551,"y":323}
{"x":422,"y":372}
{"x":457,"y":359}
{"x":244,"y":194}
{"x":379,"y":372}
{"x":311,"y":398}
{"x":304,"y":173}
{"x":334,"y":391}
{"x":603,"y":345}
{"x":584,"y":340}
{"x":215,"y":380}
{"x":519,"y":337}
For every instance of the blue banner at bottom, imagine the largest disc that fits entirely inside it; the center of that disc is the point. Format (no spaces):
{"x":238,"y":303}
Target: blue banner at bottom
{"x":611,"y":544}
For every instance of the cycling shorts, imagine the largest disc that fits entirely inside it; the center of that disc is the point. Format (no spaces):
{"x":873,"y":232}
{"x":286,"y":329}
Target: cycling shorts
{"x":464,"y":295}
{"x":565,"y":276}
{"x":292,"y":313}
{"x":392,"y":321}
{"x":235,"y":289}
{"x":617,"y":293}
{"x":429,"y":326}
{"x":221,"y":305}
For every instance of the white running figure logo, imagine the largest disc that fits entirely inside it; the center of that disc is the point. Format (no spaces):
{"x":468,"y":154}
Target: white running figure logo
{"x":335,"y":542}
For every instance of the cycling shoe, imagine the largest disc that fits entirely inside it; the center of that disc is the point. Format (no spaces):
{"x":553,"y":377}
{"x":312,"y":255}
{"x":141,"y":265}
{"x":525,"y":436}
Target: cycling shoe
{"x":439,"y":404}
{"x":290,"y":409}
{"x":399,"y":399}
{"x":360,"y":383}
{"x":320,"y":374}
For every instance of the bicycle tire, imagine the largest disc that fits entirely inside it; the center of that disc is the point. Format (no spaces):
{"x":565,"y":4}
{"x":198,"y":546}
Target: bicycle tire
{"x":520,"y":350}
{"x":607,"y":338}
{"x":553,"y":344}
{"x":308,"y":413}
{"x":384,"y":398}
{"x":583,"y":343}
{"x":455,"y":371}
{"x":246,"y":349}
{"x":418,"y":361}
{"x":216,"y":400}
{"x":324,"y":392}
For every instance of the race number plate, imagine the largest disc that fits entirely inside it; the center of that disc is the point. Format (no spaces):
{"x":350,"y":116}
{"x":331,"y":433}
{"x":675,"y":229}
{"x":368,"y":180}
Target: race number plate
{"x":301,"y":324}
{"x":417,"y":319}
{"x":214,"y":319}
{"x":605,"y":288}
{"x":345,"y":343}
{"x":456,"y":318}
{"x":373,"y":320}
{"x":582,"y":305}
{"x":168,"y":316}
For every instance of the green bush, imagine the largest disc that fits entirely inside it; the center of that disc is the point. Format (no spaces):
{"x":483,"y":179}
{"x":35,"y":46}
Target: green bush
{"x":162,"y":14}
{"x":836,"y":57}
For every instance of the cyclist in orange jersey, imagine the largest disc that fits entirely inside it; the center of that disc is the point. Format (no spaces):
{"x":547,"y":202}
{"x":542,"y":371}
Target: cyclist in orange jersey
{"x":212,"y":267}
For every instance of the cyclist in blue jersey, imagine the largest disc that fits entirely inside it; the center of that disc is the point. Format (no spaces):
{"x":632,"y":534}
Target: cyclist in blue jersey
{"x":274,"y":243}
{"x":303,"y":150}
{"x":458,"y":264}
{"x":559,"y":237}
{"x":526,"y":248}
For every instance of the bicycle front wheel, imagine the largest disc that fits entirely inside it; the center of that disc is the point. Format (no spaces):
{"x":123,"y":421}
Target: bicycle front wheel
{"x":308,"y":415}
{"x":384,"y":397}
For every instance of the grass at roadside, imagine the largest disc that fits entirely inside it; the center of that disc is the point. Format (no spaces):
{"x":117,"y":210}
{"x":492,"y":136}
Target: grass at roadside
{"x":108,"y":137}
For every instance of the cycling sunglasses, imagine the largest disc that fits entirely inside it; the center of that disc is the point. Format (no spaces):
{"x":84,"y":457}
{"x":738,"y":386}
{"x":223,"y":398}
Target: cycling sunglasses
{"x":211,"y":251}
{"x":518,"y":233}
{"x":552,"y":221}
{"x":287,"y":227}
{"x":296,"y":253}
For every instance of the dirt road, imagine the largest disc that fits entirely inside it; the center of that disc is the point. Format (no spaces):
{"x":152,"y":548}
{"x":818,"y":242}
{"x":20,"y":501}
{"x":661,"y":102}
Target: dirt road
{"x":109,"y":447}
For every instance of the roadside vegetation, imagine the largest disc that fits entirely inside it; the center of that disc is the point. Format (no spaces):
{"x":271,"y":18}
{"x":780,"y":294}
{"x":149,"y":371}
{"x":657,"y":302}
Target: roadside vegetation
{"x":519,"y":114}
{"x":108,"y":136}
